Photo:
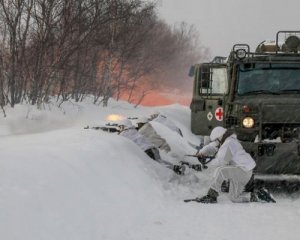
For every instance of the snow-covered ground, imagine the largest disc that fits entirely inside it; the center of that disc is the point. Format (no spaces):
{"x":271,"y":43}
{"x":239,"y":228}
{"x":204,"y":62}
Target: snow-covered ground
{"x":59,"y":181}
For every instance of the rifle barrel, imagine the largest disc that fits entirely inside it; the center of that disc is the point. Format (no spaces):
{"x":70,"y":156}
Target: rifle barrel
{"x":190,"y":155}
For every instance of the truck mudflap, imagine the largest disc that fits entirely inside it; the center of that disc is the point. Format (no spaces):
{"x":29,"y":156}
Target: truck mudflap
{"x":275,"y":158}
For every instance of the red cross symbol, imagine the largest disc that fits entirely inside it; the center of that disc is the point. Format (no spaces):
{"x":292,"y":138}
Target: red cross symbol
{"x":219,"y":113}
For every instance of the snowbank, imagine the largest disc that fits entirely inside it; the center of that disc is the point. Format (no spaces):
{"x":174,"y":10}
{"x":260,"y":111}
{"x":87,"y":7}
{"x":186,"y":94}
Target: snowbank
{"x":59,"y":181}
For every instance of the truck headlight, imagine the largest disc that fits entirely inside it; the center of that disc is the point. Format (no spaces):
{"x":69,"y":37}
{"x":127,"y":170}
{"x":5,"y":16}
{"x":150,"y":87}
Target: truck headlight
{"x":248,"y":122}
{"x":240,"y":53}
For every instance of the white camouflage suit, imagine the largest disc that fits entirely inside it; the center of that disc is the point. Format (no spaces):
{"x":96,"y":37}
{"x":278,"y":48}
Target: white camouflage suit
{"x":235,"y":165}
{"x":149,"y":132}
{"x":132,"y":134}
{"x":168,"y":123}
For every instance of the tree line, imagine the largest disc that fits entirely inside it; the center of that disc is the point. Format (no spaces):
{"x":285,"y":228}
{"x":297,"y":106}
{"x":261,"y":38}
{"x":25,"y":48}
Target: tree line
{"x":71,"y":49}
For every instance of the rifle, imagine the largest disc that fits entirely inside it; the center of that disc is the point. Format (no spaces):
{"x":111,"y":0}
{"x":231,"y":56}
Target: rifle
{"x":109,"y":127}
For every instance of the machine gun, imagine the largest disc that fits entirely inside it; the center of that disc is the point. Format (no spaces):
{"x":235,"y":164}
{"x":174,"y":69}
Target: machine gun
{"x":108,"y":127}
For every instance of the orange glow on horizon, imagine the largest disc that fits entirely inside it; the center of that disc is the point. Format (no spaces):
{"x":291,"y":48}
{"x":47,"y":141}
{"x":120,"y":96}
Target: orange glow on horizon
{"x":155,"y":95}
{"x":158,"y":99}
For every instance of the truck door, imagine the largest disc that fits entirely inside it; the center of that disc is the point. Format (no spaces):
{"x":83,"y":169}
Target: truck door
{"x":210,"y":89}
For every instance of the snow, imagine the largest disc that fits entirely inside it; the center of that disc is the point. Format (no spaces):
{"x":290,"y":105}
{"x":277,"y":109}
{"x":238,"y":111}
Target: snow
{"x":59,"y":181}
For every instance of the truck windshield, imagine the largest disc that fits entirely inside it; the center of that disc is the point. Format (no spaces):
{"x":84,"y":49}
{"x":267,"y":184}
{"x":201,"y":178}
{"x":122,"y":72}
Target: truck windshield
{"x":268,"y":78}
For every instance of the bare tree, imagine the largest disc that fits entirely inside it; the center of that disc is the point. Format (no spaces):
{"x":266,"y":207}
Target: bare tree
{"x":73,"y":48}
{"x":16,"y":16}
{"x":184,"y":50}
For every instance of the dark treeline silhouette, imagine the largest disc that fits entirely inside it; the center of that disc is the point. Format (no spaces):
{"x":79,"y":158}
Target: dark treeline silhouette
{"x":74,"y":48}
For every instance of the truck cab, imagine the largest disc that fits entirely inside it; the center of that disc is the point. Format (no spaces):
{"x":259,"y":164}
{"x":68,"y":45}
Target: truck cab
{"x":258,"y":95}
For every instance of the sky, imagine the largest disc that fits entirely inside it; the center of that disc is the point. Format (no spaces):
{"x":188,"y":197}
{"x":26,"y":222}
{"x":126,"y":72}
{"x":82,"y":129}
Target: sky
{"x":223,"y":23}
{"x":59,"y":181}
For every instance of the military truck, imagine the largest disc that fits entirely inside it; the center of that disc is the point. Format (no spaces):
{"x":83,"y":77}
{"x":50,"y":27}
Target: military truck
{"x":258,"y":95}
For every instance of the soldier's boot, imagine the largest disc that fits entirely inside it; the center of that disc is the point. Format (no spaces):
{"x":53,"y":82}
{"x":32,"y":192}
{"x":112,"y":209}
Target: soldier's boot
{"x":211,"y":197}
{"x":264,"y":195}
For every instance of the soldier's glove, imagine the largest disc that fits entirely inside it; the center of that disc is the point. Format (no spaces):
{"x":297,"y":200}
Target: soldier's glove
{"x":196,"y":167}
{"x":184,"y":163}
{"x":203,"y":160}
{"x":179,"y":169}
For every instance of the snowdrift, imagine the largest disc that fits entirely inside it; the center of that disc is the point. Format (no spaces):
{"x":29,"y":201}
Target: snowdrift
{"x":60,"y":181}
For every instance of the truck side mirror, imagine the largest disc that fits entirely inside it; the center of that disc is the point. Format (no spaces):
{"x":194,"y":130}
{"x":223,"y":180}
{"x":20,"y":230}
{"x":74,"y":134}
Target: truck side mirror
{"x":192,"y":71}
